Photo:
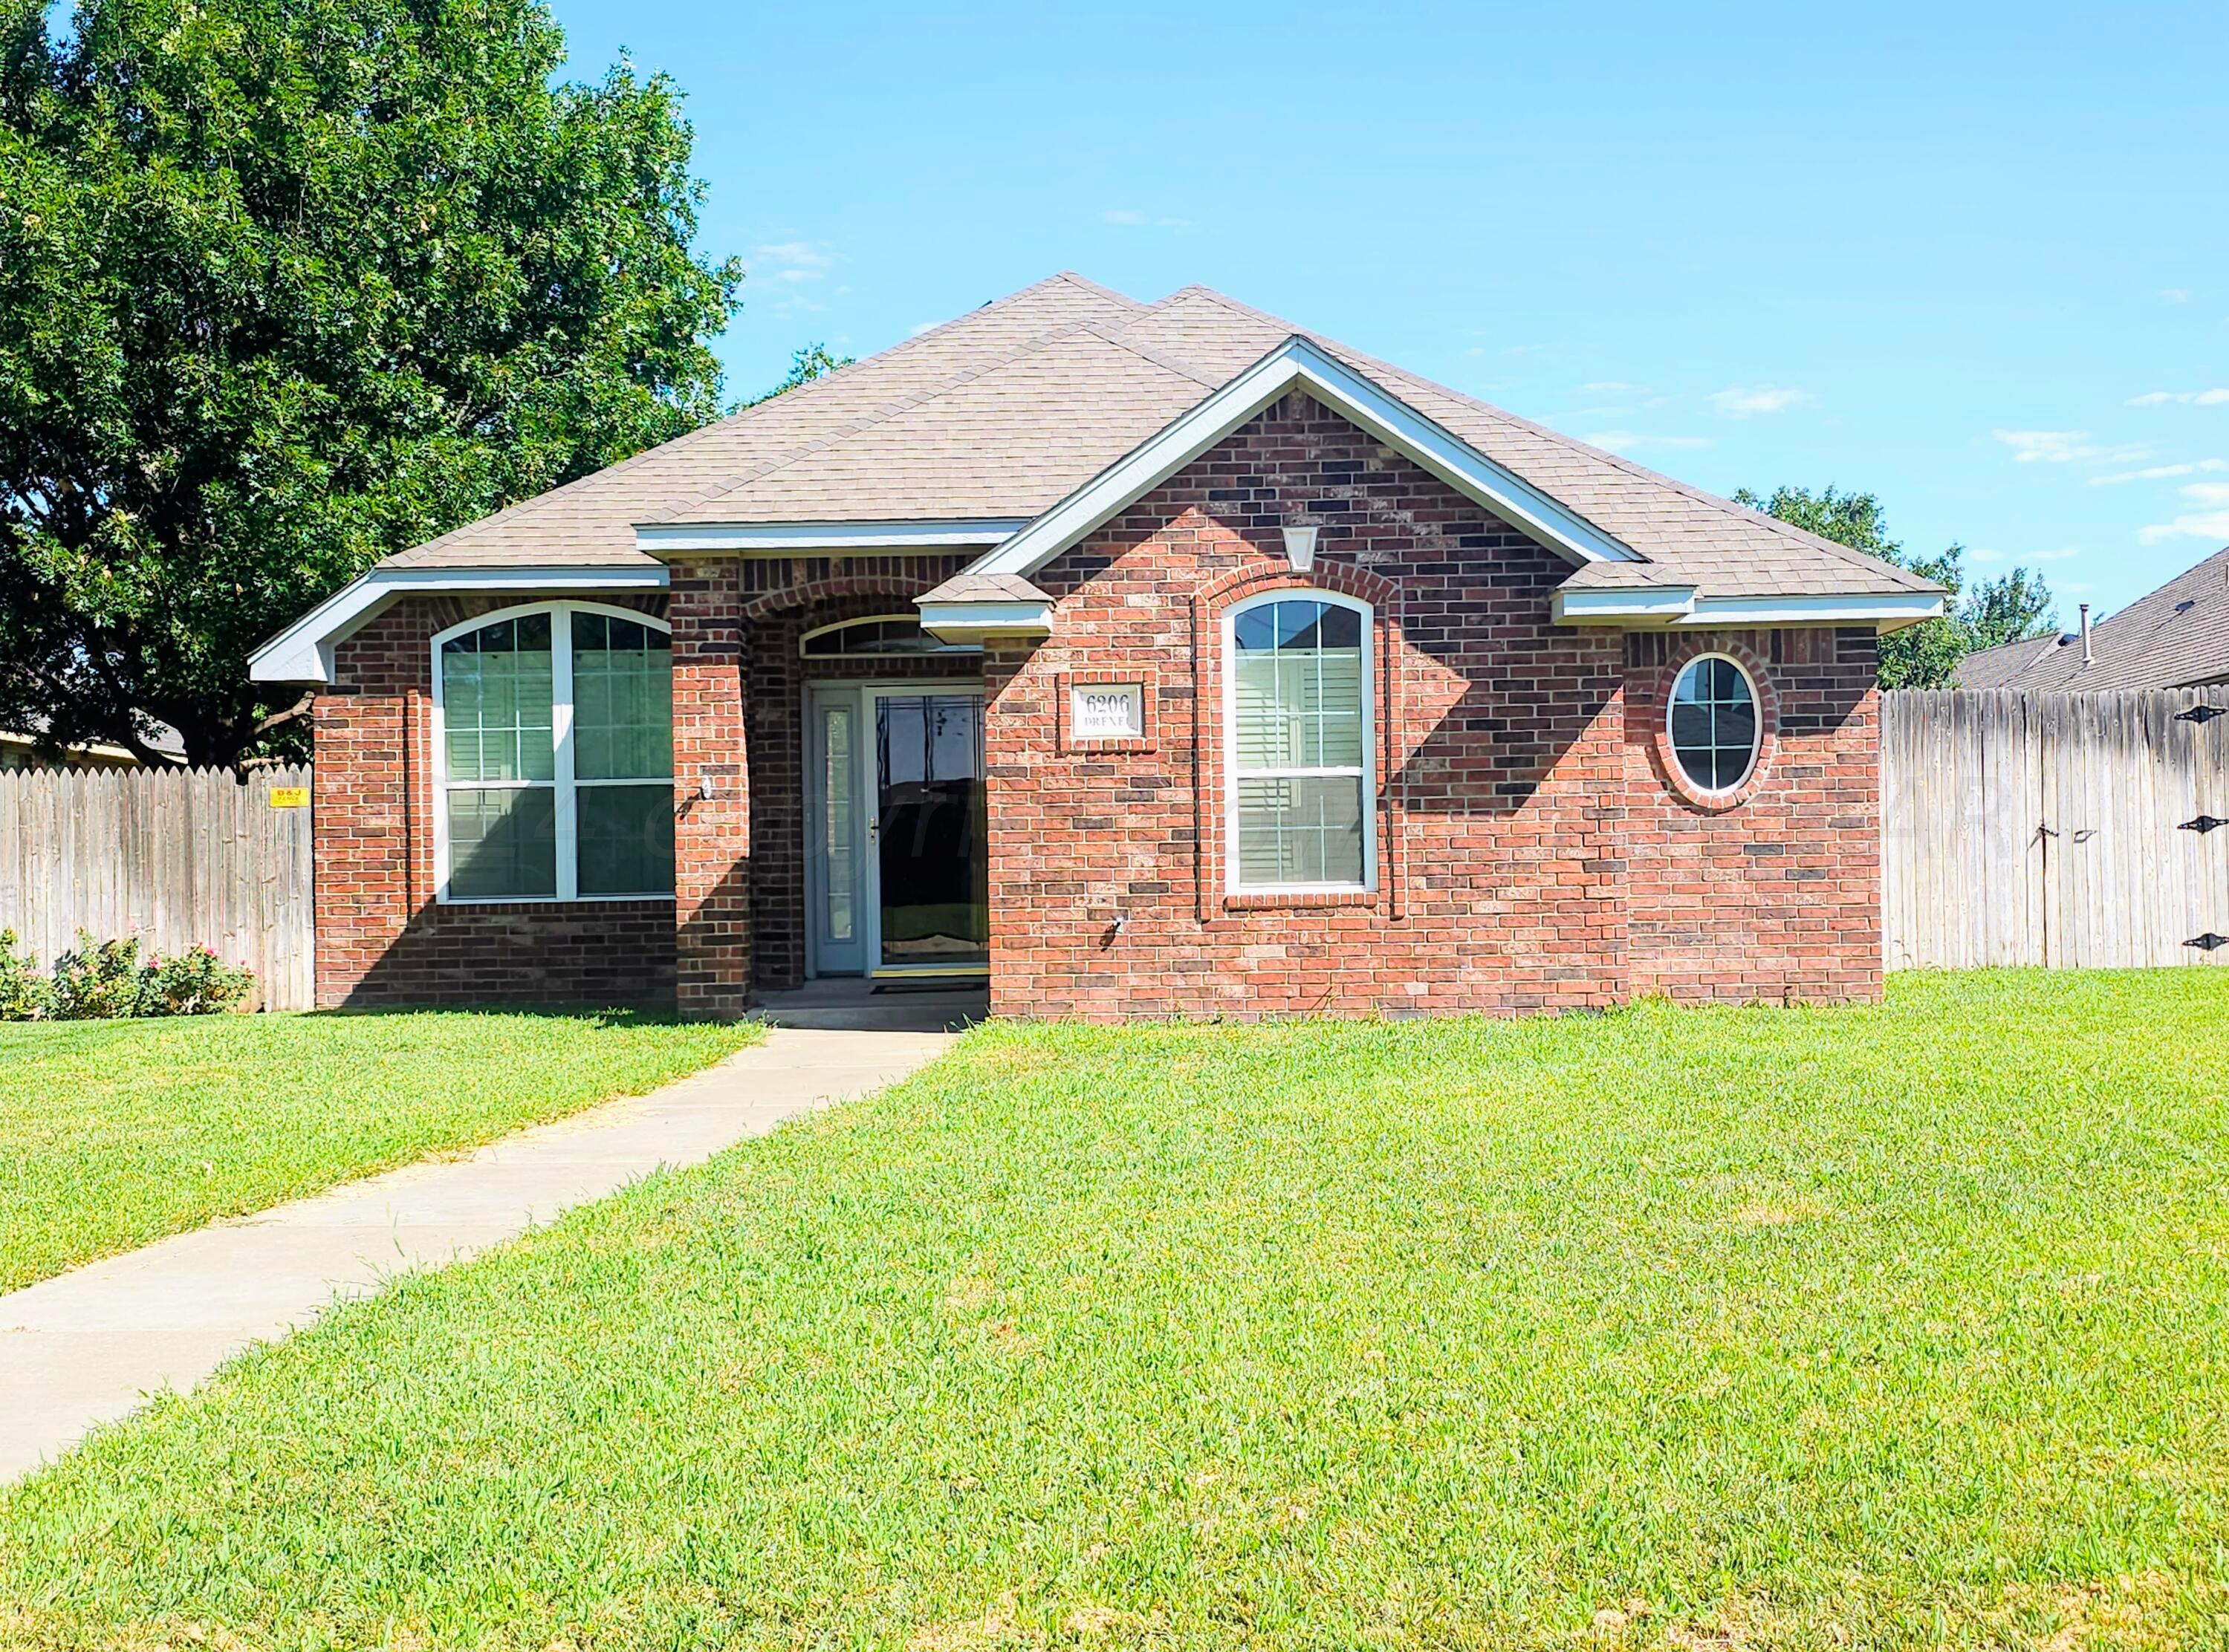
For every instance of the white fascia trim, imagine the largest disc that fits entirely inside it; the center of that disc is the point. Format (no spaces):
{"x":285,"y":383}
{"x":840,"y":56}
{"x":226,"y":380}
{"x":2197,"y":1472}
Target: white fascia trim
{"x":969,"y":622}
{"x":1679,"y":605}
{"x":766,"y":539}
{"x":304,"y":651}
{"x":1889,"y":610}
{"x":1298,"y":362}
{"x":1654,"y":604}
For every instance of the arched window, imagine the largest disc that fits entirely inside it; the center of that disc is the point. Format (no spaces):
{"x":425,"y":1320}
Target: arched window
{"x":879,"y":637}
{"x":554,"y":729}
{"x":1712,"y":724}
{"x":1297,"y":712}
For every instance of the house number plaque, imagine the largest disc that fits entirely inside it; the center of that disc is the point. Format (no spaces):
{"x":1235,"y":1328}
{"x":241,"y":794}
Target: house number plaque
{"x":1107,"y":711}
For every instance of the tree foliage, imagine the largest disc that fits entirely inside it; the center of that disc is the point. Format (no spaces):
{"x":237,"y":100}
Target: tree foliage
{"x":2008,"y":609}
{"x":286,"y":286}
{"x":814,"y":360}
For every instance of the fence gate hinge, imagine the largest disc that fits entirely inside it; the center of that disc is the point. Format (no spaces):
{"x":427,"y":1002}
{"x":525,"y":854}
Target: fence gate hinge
{"x":2208,"y":942}
{"x":2202,"y":825}
{"x":2201,"y":713}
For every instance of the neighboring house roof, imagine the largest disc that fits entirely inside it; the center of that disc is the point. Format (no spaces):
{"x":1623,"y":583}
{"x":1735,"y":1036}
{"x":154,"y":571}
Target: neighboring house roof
{"x":977,"y":432}
{"x":18,"y":747}
{"x":2174,"y":638}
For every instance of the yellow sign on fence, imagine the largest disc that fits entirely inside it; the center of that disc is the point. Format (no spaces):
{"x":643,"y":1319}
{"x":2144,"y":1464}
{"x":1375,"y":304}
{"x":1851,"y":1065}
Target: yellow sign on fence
{"x":290,"y":796}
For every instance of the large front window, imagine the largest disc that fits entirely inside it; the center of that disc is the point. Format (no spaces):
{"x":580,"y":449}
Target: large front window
{"x":557,"y":756}
{"x":1300,"y":745}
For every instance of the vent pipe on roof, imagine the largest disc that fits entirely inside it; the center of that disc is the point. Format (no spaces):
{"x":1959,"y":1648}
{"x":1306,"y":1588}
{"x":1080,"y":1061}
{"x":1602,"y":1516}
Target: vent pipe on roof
{"x":2086,"y":657}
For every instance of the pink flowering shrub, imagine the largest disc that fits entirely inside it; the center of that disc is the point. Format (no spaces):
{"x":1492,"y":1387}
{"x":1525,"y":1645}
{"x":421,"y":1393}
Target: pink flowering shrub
{"x":108,"y":980}
{"x":193,"y":982}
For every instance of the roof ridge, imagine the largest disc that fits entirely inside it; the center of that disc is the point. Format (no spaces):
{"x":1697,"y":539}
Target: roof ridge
{"x":1158,"y":358}
{"x":1701,"y":496}
{"x":1083,"y":281}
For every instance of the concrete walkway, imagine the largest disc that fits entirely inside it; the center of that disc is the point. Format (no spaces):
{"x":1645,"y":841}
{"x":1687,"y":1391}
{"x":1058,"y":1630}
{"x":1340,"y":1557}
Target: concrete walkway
{"x":90,"y":1345}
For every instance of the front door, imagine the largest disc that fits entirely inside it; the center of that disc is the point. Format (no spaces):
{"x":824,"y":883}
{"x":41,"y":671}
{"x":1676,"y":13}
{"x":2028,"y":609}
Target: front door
{"x":897,"y":880}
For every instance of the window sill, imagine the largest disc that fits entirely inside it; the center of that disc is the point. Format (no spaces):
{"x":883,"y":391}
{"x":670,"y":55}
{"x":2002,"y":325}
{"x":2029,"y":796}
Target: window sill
{"x":549,"y":900}
{"x":1295,"y":899}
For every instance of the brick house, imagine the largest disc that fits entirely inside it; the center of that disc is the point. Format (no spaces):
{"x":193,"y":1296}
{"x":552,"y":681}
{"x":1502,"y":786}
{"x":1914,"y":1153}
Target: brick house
{"x":1140,"y":659}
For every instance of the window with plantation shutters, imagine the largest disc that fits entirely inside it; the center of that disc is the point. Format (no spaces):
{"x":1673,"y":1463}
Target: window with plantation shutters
{"x":556,"y":753}
{"x":1298,"y":709}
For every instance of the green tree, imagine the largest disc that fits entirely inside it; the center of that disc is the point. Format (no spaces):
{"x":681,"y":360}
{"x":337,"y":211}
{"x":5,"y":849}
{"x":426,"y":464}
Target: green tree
{"x":814,"y":360}
{"x":289,"y":284}
{"x":2005,"y":610}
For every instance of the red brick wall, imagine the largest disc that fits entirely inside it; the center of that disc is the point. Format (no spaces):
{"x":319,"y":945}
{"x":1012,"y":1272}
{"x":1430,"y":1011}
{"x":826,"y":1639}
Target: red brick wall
{"x":736,"y":923}
{"x":1775,"y":894}
{"x":382,"y":940}
{"x":1527,"y":856}
{"x":711,"y":919}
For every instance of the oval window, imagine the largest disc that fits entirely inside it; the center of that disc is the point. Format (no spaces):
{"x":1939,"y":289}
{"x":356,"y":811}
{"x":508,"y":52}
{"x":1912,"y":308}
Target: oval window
{"x":1714,"y":726}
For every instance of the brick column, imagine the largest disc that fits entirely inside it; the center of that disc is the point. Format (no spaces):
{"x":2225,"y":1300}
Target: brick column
{"x":361,"y":836}
{"x":711,"y":785}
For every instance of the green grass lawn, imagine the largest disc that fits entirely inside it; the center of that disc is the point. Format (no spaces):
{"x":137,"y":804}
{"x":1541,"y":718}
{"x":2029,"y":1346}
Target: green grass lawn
{"x":1904,"y":1326}
{"x":116,"y":1133}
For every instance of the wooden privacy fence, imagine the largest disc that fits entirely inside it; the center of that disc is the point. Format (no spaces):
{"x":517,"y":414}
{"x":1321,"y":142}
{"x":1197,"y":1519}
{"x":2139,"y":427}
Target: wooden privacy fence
{"x":181,"y":857}
{"x":2069,"y":829}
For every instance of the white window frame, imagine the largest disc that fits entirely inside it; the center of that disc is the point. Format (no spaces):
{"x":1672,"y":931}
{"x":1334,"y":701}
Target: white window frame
{"x":1233,"y":882}
{"x":562,"y":780}
{"x":1756,"y":742}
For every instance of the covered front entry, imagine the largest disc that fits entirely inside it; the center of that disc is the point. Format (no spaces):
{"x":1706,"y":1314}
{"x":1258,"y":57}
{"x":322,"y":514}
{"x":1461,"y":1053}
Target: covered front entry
{"x":897,"y":878}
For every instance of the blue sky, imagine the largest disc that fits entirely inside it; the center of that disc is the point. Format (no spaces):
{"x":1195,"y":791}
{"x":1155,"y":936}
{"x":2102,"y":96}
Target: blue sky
{"x":1974,"y":258}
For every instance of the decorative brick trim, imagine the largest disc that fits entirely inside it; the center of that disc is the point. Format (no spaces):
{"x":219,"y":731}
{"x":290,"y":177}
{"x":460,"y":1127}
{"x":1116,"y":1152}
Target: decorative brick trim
{"x":814,"y":592}
{"x":1767,"y":717}
{"x":1210,"y":603}
{"x":1149,"y":689}
{"x":1299,"y":901}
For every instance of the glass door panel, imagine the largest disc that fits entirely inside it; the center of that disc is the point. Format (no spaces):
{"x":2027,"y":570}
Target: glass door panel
{"x":834,"y":825}
{"x":933,"y":871}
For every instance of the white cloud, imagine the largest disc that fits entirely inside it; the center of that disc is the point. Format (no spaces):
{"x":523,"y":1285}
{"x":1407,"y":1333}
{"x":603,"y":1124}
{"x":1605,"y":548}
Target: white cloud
{"x":2064,"y":447}
{"x":2203,"y":524}
{"x":2051,"y":446}
{"x":1740,"y":400}
{"x":2187,"y":398}
{"x":795,"y":261}
{"x":2059,"y":555}
{"x":2175,"y":295}
{"x":1613,"y":388}
{"x":2195,"y":524}
{"x":1626,"y":441}
{"x":2160,"y":472}
{"x":1131,"y":218}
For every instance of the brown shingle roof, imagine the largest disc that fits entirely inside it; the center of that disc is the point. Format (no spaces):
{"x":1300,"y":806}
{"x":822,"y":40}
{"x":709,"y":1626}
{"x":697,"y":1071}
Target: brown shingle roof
{"x":591,"y":522}
{"x":2176,"y":637}
{"x":1005,"y":411}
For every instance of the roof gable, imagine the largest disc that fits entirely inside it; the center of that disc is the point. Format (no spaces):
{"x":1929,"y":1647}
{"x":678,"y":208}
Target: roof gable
{"x":1300,"y":364}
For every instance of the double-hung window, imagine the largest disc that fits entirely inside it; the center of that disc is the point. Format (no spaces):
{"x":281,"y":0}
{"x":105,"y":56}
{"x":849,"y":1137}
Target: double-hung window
{"x":1299,"y":749}
{"x":556,"y":756}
